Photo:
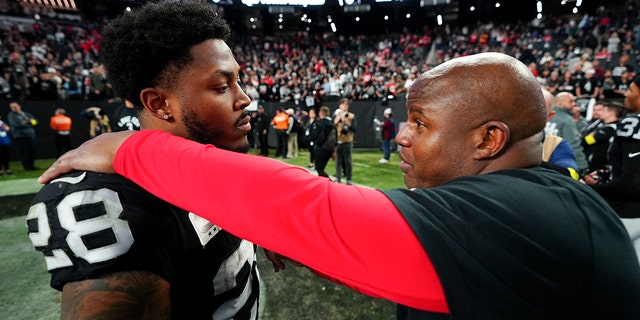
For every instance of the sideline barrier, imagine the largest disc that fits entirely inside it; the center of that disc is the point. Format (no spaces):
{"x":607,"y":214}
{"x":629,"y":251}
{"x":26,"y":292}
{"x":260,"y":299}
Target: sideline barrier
{"x":366,"y":111}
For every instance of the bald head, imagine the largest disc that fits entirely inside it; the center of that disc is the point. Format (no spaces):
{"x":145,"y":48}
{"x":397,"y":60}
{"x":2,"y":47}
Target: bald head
{"x":548,"y":101}
{"x":471,"y":115}
{"x":564,"y":100}
{"x":484,"y":87}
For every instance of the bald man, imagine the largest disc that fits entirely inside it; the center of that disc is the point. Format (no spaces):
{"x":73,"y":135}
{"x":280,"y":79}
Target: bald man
{"x":555,"y":150}
{"x":482,"y":232}
{"x":563,"y":125}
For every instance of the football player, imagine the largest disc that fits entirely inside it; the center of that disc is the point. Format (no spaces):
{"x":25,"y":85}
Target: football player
{"x":113,"y":249}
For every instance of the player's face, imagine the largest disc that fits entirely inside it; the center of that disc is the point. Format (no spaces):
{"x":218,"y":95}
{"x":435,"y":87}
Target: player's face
{"x":435,"y":145}
{"x":210,"y":99}
{"x":632,"y":98}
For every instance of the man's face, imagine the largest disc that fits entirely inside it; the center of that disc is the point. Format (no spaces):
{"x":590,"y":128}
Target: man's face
{"x":632,"y":98}
{"x":569,"y":102}
{"x":14,"y":107}
{"x":344,"y":107}
{"x":435,"y":144}
{"x":210,"y":101}
{"x":608,"y":114}
{"x":597,"y":109}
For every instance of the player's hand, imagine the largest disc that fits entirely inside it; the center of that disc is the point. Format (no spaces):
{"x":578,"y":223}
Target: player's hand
{"x":277,"y":260}
{"x":96,"y":154}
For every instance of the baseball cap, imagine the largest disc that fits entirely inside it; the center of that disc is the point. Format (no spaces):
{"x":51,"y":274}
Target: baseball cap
{"x":289,"y":111}
{"x":387,"y":111}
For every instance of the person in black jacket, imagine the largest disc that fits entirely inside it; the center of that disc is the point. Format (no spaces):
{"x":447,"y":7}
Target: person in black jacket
{"x":260,"y":124}
{"x":321,"y":129}
{"x":24,"y":134}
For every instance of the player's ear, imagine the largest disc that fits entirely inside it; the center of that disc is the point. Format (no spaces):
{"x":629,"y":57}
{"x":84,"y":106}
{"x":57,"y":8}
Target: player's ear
{"x":493,"y":136}
{"x":155,"y":102}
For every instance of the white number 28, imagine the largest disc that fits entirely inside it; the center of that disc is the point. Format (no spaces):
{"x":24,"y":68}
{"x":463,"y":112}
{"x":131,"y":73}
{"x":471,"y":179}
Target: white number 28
{"x":79,"y":228}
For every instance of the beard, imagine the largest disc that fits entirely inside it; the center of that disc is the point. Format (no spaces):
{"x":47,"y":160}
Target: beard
{"x":204,"y":133}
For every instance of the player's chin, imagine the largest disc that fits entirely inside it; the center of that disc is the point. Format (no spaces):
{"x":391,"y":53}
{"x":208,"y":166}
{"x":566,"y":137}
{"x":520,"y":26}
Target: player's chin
{"x":242,"y":146}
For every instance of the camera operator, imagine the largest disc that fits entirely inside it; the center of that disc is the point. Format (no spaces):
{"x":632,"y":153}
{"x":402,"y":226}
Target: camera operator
{"x":345,"y":123}
{"x":99,"y":121}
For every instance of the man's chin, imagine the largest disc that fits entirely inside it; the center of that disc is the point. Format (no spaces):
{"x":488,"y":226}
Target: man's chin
{"x":242,"y":148}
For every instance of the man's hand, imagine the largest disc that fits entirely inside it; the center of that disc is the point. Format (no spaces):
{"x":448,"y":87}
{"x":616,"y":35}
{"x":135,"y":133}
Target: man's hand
{"x":96,"y":154}
{"x":277,"y":260}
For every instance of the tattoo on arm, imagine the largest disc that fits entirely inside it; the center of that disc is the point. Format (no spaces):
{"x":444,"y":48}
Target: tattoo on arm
{"x":122,"y":295}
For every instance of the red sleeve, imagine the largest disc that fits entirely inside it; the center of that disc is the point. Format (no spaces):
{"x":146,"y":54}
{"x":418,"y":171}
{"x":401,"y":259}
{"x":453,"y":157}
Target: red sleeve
{"x":353,"y":235}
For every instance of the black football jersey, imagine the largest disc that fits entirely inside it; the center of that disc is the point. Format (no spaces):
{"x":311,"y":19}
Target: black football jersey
{"x":88,"y":224}
{"x":626,"y":150}
{"x":125,"y":119}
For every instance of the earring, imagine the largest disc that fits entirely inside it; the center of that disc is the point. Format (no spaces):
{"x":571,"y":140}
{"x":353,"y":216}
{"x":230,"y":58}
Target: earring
{"x":166,"y":117}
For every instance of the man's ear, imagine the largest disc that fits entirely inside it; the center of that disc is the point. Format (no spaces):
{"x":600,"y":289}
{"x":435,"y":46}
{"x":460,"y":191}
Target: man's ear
{"x":495,"y":136}
{"x":155,"y":102}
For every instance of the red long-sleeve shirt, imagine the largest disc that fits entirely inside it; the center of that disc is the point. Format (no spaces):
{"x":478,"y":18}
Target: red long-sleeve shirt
{"x":354,"y":235}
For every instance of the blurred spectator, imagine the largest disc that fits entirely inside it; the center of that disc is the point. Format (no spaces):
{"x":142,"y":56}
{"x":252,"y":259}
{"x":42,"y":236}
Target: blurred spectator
{"x":388,"y":133}
{"x":295,"y":127}
{"x":98,"y":121}
{"x":564,"y":125}
{"x":98,"y":86}
{"x":596,"y":142}
{"x":622,"y":66}
{"x":260,"y":123}
{"x":622,"y":85}
{"x":280,"y":123}
{"x":5,"y":149}
{"x":60,"y":123}
{"x":23,"y":134}
{"x":588,"y":87}
{"x":125,"y":116}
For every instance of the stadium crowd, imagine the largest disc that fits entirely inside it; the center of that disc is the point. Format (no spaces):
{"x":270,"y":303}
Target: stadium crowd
{"x":60,"y":59}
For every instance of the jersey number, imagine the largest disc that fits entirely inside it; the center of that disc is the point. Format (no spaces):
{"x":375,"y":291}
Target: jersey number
{"x":108,"y":221}
{"x":626,"y":128}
